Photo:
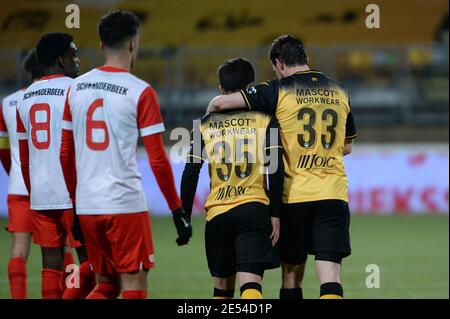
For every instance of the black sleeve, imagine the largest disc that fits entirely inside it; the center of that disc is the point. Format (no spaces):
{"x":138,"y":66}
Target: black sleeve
{"x":350,"y":129}
{"x":194,"y":162}
{"x":274,"y":152}
{"x":263,"y":97}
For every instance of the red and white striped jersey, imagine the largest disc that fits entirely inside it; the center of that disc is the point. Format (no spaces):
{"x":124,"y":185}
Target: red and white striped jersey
{"x":39,"y":120}
{"x":8,"y":128}
{"x":107,"y":108}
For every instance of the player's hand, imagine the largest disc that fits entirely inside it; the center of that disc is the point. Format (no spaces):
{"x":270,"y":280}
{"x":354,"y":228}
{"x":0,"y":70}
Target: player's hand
{"x":275,"y":230}
{"x":183,"y":225}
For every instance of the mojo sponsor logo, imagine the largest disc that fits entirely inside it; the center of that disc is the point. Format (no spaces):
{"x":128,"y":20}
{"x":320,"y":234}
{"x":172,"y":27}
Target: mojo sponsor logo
{"x":314,"y":161}
{"x":230,"y":192}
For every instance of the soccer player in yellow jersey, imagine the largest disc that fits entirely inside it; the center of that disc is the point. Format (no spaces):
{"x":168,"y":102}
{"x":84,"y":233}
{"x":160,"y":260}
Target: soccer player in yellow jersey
{"x":317,"y":129}
{"x":242,"y":213}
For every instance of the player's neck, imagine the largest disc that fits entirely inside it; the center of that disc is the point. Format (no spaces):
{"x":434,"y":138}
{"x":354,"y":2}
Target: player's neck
{"x":118,"y":62}
{"x":295,"y":69}
{"x":52,"y":71}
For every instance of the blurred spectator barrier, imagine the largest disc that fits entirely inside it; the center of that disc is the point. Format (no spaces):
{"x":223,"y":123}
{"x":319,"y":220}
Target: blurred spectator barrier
{"x":388,"y":84}
{"x":382,"y":180}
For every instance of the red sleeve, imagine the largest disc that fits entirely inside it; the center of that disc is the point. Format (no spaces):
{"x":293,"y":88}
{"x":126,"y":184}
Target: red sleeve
{"x":3,"y":127}
{"x":20,"y":126}
{"x":162,"y":169}
{"x":67,"y":114}
{"x":148,"y":113}
{"x":67,"y":152}
{"x":67,"y":158}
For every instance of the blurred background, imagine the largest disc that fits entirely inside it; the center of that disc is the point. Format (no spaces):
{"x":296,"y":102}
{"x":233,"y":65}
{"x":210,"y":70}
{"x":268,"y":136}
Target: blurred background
{"x":397,"y":76}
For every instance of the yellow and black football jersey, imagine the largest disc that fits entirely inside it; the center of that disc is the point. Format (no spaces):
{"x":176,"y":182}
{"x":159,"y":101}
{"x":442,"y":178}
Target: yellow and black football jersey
{"x":234,"y":144}
{"x":314,"y":115}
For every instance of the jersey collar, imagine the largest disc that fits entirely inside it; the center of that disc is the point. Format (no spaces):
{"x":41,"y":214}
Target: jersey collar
{"x":106,"y":68}
{"x":308,"y":71}
{"x":51,"y":76}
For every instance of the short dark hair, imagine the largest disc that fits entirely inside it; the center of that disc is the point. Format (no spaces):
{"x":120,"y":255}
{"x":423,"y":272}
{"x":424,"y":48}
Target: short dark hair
{"x":31,"y":65}
{"x":51,"y":46}
{"x":289,"y":50}
{"x":117,"y":27}
{"x":236,"y":74}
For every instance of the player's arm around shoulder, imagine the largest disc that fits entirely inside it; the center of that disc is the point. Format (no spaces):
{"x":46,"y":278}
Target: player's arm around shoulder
{"x":262,"y":97}
{"x":226,"y":102}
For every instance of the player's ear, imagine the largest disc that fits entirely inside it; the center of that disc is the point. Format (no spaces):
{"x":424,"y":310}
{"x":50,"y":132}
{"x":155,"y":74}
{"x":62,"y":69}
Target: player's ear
{"x":61,"y":61}
{"x":101,"y":45}
{"x":279,"y":64}
{"x":131,"y":46}
{"x":221,"y":89}
{"x":248,"y":86}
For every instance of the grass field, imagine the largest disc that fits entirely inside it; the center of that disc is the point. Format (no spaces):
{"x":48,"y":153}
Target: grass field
{"x":411,"y":251}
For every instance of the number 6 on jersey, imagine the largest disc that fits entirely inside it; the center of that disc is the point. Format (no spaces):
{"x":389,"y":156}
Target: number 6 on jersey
{"x":92,"y":125}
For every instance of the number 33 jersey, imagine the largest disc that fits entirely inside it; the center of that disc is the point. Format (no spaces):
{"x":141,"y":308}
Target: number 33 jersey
{"x":315,"y":120}
{"x":107,"y":108}
{"x":39,"y":120}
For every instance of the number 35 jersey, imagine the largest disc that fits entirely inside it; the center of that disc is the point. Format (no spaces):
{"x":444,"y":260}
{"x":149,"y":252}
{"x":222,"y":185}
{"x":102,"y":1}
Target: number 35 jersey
{"x":234,"y":144}
{"x":315,"y":120}
{"x":107,"y":108}
{"x":39,"y":121}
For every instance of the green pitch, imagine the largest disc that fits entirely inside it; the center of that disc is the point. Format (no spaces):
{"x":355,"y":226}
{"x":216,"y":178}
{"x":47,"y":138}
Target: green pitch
{"x":411,"y":252}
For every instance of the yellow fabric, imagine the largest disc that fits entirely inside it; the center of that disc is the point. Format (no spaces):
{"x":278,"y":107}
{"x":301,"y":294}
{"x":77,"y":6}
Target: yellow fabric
{"x":237,"y":175}
{"x":251,"y":294}
{"x":171,"y":23}
{"x":4,"y":143}
{"x":331,"y":296}
{"x":255,"y":23}
{"x":313,"y":126}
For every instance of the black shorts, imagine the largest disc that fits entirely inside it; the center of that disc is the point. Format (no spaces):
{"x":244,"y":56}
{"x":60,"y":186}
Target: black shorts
{"x":319,"y":228}
{"x":239,"y":241}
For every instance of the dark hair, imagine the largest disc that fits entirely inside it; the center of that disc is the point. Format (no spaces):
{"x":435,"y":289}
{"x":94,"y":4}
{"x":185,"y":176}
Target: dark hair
{"x":31,"y":65}
{"x":117,"y":27}
{"x":289,"y":50}
{"x":51,"y":46}
{"x":235,"y":74}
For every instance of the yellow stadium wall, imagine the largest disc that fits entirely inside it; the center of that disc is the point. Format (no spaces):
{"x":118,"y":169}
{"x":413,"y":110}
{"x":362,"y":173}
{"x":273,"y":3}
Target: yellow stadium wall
{"x":231,"y":22}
